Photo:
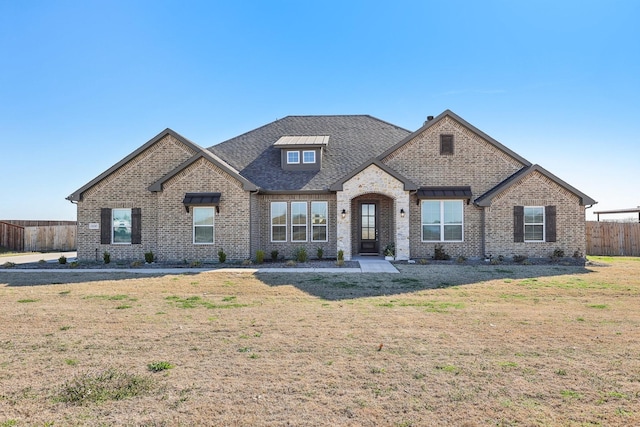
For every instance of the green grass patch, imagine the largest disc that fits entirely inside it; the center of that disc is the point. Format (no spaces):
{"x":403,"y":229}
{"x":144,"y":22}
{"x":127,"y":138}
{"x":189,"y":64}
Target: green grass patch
{"x":448,"y":368}
{"x":197,"y":302}
{"x":102,"y":386}
{"x":159,"y":366}
{"x":27,"y":300}
{"x":123,"y":307}
{"x":598,"y":306}
{"x":570,"y":394}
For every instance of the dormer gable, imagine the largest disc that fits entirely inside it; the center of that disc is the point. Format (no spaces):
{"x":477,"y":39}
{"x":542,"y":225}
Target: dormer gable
{"x":302,"y":152}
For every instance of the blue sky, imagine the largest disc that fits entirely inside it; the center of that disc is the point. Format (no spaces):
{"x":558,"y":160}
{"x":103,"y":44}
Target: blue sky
{"x":84,"y":83}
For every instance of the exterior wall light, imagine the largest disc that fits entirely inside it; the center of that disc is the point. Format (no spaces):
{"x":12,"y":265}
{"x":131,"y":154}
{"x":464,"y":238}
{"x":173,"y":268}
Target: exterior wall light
{"x":344,"y":214}
{"x":402,"y":213}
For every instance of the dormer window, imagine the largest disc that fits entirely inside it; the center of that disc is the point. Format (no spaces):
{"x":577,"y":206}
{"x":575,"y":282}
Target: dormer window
{"x":309,"y":157}
{"x":302,"y":152}
{"x":293,"y":157}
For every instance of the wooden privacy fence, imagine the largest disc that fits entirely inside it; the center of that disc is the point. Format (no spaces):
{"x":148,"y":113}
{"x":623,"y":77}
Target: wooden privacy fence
{"x":613,"y":238}
{"x":38,"y":236}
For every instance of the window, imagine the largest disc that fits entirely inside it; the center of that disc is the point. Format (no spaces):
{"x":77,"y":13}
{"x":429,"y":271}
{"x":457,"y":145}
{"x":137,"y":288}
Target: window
{"x":446,"y":145}
{"x":308,"y":157}
{"x":278,"y":221}
{"x":319,"y":221}
{"x":298,"y":221}
{"x":203,"y":229}
{"x":121,"y":226}
{"x":293,"y":157}
{"x":442,"y":221}
{"x":534,"y":224}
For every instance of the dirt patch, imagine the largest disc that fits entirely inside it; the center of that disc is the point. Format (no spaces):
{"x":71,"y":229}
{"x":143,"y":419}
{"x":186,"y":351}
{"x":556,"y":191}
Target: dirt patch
{"x":433,"y":345}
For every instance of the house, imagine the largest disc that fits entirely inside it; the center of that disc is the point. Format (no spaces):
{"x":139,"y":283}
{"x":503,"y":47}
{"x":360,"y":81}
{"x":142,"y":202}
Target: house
{"x":352,"y":183}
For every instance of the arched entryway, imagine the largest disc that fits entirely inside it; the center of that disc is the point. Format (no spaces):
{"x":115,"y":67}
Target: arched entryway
{"x":372,"y":224}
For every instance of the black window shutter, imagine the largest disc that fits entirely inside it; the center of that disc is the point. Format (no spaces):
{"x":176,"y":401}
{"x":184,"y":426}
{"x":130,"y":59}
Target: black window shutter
{"x":518,"y":223}
{"x":105,"y":226}
{"x":446,"y":144}
{"x":136,"y":226}
{"x":550,"y":223}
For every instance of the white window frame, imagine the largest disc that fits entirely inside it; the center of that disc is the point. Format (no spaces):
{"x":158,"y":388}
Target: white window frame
{"x":326,"y":223}
{"x":285,"y":225}
{"x":294,"y":224}
{"x":304,"y":160}
{"x":113,"y":227}
{"x":297,"y":159}
{"x":212,"y":225}
{"x":441,"y":224}
{"x":532,"y":224}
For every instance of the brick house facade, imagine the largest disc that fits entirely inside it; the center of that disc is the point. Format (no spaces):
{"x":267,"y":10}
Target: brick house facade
{"x":341,"y":183}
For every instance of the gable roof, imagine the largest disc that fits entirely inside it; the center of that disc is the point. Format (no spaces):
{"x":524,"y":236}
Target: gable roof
{"x":461,"y":121}
{"x":353,"y":140}
{"x":200,"y":152}
{"x":204,"y":154}
{"x":486,"y":198}
{"x":408,"y":184}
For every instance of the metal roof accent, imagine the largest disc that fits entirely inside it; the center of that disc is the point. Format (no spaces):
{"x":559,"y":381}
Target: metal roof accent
{"x":444,"y":193}
{"x":208,"y":199}
{"x":302,"y":140}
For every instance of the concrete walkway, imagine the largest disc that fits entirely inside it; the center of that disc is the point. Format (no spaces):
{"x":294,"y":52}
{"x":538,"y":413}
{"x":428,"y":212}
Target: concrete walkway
{"x":367,"y":265}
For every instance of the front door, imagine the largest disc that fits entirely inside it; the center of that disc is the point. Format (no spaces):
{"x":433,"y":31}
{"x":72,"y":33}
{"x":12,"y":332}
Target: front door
{"x":369,"y":228}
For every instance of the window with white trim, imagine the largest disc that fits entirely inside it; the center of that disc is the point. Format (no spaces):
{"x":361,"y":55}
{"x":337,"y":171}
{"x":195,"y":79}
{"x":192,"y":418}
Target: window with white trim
{"x":309,"y":156}
{"x":121,"y":226}
{"x":278,"y":221}
{"x":319,"y":214}
{"x":534,"y":223}
{"x":203,"y":225}
{"x":293,"y":157}
{"x":442,"y":221}
{"x":298,"y":221}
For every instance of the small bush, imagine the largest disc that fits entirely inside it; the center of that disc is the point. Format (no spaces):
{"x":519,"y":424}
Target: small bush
{"x":440,"y":254}
{"x":149,"y":257}
{"x":247,"y":262}
{"x":110,"y":384}
{"x":519,"y":258}
{"x":558,"y":253}
{"x":8,"y":265}
{"x":259,"y":256}
{"x":578,"y":254}
{"x":461,"y":259}
{"x":159,"y":366}
{"x":195,"y":264}
{"x":291,"y":263}
{"x":274,"y":255}
{"x":74,"y":264}
{"x":320,"y":253}
{"x":62,"y":260}
{"x":222,"y":257}
{"x":301,"y":255}
{"x":136,"y":264}
{"x":423,"y":261}
{"x":340,"y":262}
{"x":106,"y":257}
{"x":340,"y":255}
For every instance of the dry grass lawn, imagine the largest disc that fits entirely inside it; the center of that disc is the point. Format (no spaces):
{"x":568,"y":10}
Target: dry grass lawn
{"x":435,"y":345}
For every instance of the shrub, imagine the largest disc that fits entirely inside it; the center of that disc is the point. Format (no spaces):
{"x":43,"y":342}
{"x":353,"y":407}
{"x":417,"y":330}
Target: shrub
{"x":519,"y":258}
{"x":320,"y":253}
{"x":149,"y":257}
{"x":461,"y":259}
{"x":274,"y":255}
{"x":62,"y":259}
{"x":259,"y":256}
{"x":222,"y":257}
{"x":423,"y":261}
{"x":341,"y":255}
{"x":74,"y":264}
{"x":558,"y":253}
{"x":247,"y":262}
{"x":8,"y":265}
{"x":291,"y":263}
{"x":301,"y":255}
{"x":440,"y":254}
{"x":106,"y":257}
{"x":390,"y":249}
{"x":136,"y":264}
{"x":195,"y":264}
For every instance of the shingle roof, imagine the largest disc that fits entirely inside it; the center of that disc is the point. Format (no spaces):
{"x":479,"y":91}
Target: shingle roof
{"x":354,"y":140}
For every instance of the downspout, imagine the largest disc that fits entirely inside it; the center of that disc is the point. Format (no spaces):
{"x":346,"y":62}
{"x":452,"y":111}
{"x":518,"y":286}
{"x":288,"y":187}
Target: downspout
{"x":482,"y":232}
